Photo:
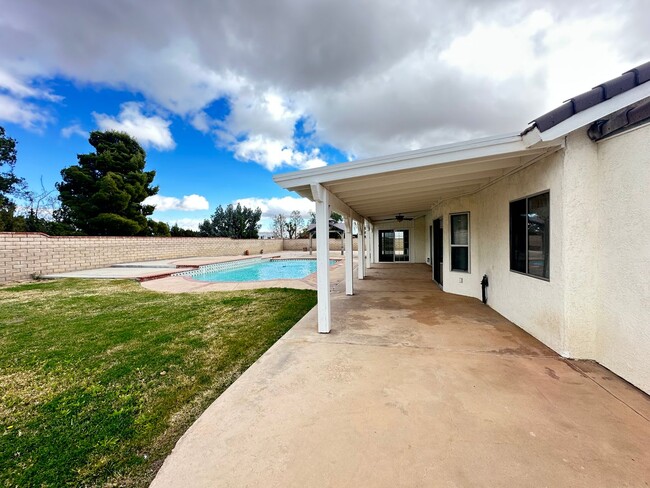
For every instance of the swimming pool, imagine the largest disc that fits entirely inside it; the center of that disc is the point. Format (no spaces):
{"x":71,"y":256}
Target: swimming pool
{"x":255,"y":270}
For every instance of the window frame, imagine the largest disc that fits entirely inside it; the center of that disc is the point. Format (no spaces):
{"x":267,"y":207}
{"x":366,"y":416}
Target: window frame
{"x":468,"y":245}
{"x":526,"y":260}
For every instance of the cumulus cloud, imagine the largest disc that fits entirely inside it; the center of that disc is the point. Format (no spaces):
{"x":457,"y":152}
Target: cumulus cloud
{"x":277,"y":205}
{"x":201,"y":122}
{"x":73,"y":129}
{"x":21,"y":112}
{"x":262,"y":128}
{"x":15,"y":104}
{"x":397,"y":76}
{"x":191,"y":224}
{"x":188,"y":203}
{"x":150,"y":131}
{"x":273,"y":206}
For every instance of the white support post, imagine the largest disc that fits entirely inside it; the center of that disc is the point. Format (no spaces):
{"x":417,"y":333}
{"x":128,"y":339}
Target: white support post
{"x":321,"y":197}
{"x":361,"y":254}
{"x":371,"y":244}
{"x":349,"y":250}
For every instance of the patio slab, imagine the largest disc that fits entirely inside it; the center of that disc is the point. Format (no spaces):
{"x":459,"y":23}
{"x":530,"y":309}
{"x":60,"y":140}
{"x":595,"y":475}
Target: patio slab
{"x":415,"y":387}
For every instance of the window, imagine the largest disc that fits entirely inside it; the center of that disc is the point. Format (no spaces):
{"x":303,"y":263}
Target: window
{"x":530,"y":235}
{"x":460,"y":242}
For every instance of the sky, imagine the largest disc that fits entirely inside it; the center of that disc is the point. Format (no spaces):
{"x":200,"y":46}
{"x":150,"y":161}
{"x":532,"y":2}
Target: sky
{"x":224,"y":94}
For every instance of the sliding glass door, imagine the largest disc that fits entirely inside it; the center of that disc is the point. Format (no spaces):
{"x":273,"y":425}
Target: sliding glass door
{"x":393,"y":246}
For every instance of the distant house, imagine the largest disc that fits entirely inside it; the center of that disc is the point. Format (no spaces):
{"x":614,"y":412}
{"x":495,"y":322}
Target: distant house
{"x":557,"y":217}
{"x":337,"y":229}
{"x":265,"y":235}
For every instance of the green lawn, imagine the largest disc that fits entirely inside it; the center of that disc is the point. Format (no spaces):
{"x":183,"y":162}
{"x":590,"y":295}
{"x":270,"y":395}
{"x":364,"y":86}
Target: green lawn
{"x":98,"y":379}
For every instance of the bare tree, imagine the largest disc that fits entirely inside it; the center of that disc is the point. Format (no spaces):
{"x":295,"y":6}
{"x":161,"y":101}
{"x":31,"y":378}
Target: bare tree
{"x":279,"y":226}
{"x":295,"y":224}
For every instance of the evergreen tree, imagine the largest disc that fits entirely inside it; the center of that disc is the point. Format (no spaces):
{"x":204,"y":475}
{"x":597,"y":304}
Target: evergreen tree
{"x":103,"y":193}
{"x":235,"y":222}
{"x":10,"y":184}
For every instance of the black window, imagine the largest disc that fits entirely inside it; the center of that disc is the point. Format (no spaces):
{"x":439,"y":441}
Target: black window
{"x":460,"y":242}
{"x":530,"y":235}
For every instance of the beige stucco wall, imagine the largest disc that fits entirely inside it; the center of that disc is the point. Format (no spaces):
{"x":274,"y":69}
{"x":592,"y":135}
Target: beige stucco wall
{"x":596,"y":304}
{"x":621,"y":312}
{"x":417,"y":237}
{"x":535,"y":305}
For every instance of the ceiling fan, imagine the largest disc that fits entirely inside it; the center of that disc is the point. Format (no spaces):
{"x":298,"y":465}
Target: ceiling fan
{"x":399,"y":217}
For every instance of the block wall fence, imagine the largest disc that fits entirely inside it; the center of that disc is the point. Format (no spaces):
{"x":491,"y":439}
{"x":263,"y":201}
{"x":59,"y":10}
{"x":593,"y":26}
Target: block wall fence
{"x":26,"y":255}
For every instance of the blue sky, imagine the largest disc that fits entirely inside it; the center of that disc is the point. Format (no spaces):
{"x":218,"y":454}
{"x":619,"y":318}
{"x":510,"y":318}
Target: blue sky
{"x":222,"y":95}
{"x":196,"y":165}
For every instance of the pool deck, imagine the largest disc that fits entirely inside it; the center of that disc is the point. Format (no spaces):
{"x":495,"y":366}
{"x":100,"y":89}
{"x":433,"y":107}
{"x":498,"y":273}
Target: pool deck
{"x":187,"y":284}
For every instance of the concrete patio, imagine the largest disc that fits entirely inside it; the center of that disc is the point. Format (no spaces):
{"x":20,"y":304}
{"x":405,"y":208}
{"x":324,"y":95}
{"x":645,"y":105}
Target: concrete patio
{"x":415,"y":387}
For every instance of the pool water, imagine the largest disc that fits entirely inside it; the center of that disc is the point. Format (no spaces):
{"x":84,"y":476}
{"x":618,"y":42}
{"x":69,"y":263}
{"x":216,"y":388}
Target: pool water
{"x":279,"y":269}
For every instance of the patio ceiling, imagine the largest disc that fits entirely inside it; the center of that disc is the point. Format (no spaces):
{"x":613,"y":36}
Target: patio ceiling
{"x":413,"y":181}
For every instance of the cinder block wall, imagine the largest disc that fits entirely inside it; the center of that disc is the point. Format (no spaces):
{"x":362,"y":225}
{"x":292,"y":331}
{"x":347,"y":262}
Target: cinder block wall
{"x":23,"y":255}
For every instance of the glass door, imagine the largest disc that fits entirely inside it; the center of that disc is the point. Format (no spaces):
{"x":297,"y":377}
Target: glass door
{"x":386,"y":246}
{"x":393,"y":246}
{"x":401,"y":245}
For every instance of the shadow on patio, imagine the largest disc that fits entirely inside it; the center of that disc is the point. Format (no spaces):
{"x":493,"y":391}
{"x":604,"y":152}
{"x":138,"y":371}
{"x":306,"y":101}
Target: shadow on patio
{"x":416,"y":387}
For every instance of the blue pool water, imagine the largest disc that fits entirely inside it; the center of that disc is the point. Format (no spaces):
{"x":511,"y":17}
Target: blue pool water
{"x":263,"y":271}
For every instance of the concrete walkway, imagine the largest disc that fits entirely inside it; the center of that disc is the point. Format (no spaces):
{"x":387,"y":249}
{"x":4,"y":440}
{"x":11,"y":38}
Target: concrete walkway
{"x":415,"y":387}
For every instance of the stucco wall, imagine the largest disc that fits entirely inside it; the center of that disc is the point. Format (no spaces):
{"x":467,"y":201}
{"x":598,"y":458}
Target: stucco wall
{"x":23,"y":255}
{"x":537,"y":306}
{"x":597,"y":302}
{"x":417,"y":251}
{"x":622,"y":308}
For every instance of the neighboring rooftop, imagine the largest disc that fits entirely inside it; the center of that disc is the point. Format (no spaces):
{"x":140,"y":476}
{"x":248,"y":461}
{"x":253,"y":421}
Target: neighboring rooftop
{"x":627,"y":81}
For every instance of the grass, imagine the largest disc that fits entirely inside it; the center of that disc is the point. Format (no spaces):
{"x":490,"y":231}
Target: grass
{"x":99,"y":379}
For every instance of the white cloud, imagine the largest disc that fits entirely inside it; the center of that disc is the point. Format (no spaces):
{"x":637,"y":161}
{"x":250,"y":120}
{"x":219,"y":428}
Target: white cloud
{"x":14,"y":104}
{"x":495,"y":50}
{"x":201,"y":122}
{"x":261,"y":128}
{"x":273,"y":206}
{"x":398,"y":76}
{"x":191,"y":224}
{"x":150,"y":131}
{"x":21,"y":89}
{"x":73,"y":129}
{"x":189,"y":203}
{"x":23,"y":113}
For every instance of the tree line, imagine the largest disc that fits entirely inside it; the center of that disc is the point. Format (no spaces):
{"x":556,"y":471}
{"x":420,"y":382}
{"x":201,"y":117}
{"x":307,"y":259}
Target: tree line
{"x":103,"y":194}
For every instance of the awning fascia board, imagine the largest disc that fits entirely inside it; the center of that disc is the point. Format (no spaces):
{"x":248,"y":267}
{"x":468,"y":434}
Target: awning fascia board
{"x":450,"y":153}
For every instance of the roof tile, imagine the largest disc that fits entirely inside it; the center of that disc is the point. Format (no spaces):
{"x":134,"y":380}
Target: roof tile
{"x":618,"y":85}
{"x":642,"y":73}
{"x":588,"y":99}
{"x":605,"y":91}
{"x":555,"y":116}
